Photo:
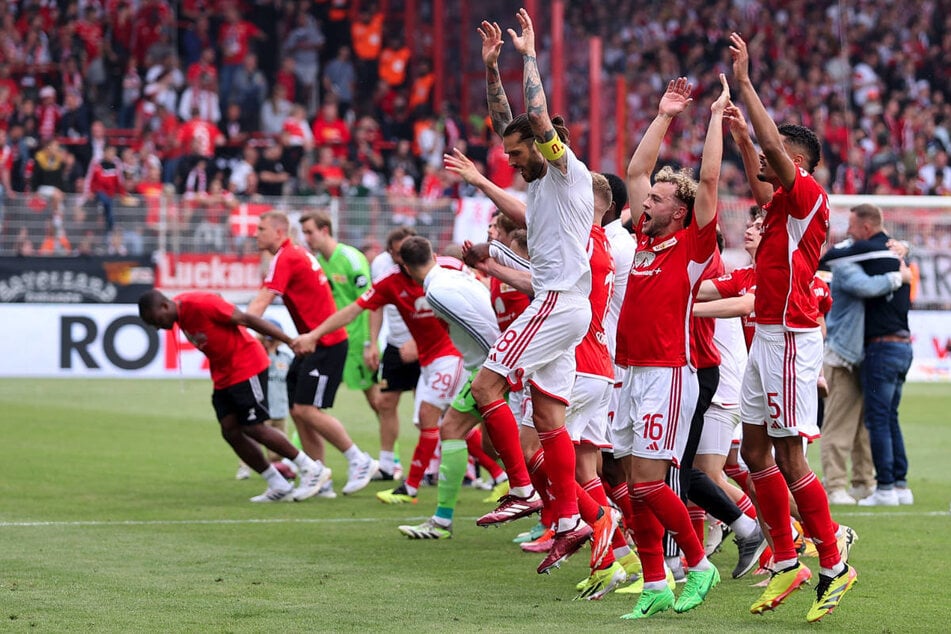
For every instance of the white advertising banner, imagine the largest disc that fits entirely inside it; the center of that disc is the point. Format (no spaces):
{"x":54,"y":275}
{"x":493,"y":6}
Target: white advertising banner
{"x":89,"y":340}
{"x":109,"y":340}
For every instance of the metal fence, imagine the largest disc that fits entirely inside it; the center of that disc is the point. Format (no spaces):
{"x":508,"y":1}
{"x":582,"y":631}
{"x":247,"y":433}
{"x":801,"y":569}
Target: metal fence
{"x":166,"y":223}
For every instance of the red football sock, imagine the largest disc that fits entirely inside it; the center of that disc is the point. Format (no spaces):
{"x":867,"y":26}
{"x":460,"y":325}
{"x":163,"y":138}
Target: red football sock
{"x":474,"y":444}
{"x":622,"y":498}
{"x":587,"y":506}
{"x":746,"y":505}
{"x":539,"y":476}
{"x":773,"y":499}
{"x":502,"y":427}
{"x":673,"y":516}
{"x":814,"y":509}
{"x":560,"y":461}
{"x":740,"y":475}
{"x":697,"y":517}
{"x":648,"y":534}
{"x":428,"y":440}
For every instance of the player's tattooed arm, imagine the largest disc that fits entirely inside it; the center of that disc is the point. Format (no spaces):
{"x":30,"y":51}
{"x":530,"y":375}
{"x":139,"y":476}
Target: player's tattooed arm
{"x":499,"y":110}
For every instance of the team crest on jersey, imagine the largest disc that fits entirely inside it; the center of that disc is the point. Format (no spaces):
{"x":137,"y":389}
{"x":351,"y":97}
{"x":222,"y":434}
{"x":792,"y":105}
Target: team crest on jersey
{"x":643,"y":259}
{"x":421,"y":309}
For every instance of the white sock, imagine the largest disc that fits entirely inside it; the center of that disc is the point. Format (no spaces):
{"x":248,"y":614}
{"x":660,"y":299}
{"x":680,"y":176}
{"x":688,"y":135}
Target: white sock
{"x":353,"y":455}
{"x":623,"y":551}
{"x":502,"y":478}
{"x":522,"y":492}
{"x":387,"y":461}
{"x":703,"y":564}
{"x":304,"y":461}
{"x":411,"y":490}
{"x":568,"y":523}
{"x":833,"y":571}
{"x":655,"y":585}
{"x":440,"y":521}
{"x":744,"y":526}
{"x":274,"y":479}
{"x":785,"y":563}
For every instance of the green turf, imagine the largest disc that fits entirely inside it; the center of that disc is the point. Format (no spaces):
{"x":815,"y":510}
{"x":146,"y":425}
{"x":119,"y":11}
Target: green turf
{"x":138,"y":525}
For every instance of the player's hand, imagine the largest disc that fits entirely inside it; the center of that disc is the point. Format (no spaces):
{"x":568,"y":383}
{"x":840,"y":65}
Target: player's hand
{"x":741,"y":57}
{"x":524,"y":43}
{"x":475,"y":254}
{"x":723,"y":100}
{"x":739,"y":128}
{"x":676,"y":98}
{"x":459,"y":164}
{"x":408,"y":352}
{"x":371,"y":356}
{"x":304,"y":344}
{"x":492,"y":41}
{"x":823,"y":387}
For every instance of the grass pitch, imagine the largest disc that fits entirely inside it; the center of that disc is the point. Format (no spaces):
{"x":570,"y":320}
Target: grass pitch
{"x":119,"y":513}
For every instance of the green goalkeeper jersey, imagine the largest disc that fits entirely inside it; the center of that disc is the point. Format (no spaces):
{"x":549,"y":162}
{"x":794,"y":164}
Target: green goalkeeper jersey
{"x":349,"y":275}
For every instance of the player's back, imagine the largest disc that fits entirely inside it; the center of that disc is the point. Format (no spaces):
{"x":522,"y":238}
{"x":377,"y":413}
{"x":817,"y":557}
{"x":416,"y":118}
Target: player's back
{"x":465,"y":305}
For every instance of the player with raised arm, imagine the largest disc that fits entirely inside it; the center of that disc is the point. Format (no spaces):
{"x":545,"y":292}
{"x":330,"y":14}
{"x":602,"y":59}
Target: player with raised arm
{"x":239,"y":366}
{"x":779,"y":397}
{"x":538,"y":348}
{"x":312,"y":380}
{"x":675,"y":227}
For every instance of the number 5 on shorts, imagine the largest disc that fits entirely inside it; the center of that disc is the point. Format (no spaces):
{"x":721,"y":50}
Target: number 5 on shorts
{"x":774,"y":410}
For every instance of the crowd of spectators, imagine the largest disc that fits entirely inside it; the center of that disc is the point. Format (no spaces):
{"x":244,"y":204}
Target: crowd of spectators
{"x":227,"y":100}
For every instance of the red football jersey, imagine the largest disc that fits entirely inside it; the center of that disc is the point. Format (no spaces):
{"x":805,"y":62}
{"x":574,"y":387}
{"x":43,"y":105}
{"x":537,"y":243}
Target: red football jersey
{"x":703,"y":352}
{"x":399,"y":289}
{"x":295,"y":275}
{"x":795,"y":227}
{"x":737,"y":283}
{"x":592,"y":356}
{"x":653,"y":329}
{"x":508,"y":302}
{"x":820,"y":290}
{"x":234,"y":355}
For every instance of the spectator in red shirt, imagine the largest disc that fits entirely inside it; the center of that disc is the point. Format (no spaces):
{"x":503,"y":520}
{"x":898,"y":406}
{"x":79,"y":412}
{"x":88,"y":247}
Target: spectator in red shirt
{"x":47,"y":113}
{"x":327,"y":174}
{"x":331,"y":131}
{"x":105,"y":183}
{"x":239,"y":366}
{"x":152,"y":22}
{"x":234,"y":41}
{"x":204,"y":66}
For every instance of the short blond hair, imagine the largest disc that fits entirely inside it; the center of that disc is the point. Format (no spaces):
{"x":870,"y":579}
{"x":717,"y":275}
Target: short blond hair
{"x":601,"y":187}
{"x":279,"y":218}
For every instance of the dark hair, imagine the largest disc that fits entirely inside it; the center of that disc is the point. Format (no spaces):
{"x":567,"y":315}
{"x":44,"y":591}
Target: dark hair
{"x":416,"y":251}
{"x":398,"y":234}
{"x":618,"y":193}
{"x":506,"y":224}
{"x":149,"y":301}
{"x":522,"y":126}
{"x":804,"y":139}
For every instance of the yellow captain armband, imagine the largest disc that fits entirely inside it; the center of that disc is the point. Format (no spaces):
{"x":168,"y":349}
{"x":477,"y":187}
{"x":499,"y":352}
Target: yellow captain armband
{"x":551,"y":150}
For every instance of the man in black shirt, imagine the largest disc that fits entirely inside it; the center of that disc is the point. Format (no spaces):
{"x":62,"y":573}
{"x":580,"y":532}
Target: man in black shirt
{"x":888,"y":356}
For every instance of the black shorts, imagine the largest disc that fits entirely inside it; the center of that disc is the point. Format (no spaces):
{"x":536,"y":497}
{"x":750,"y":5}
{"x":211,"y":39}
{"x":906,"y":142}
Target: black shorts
{"x":314,"y":379}
{"x":396,"y":376}
{"x":247,"y":400}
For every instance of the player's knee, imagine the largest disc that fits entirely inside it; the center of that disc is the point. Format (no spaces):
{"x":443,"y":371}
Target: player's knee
{"x":487,"y":387}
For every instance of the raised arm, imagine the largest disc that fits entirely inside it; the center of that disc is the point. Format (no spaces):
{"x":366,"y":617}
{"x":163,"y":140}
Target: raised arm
{"x":740,"y":131}
{"x":705,"y":205}
{"x":536,"y":104}
{"x":639,"y":170}
{"x":458,"y":163}
{"x":499,"y":109}
{"x":767,"y":133}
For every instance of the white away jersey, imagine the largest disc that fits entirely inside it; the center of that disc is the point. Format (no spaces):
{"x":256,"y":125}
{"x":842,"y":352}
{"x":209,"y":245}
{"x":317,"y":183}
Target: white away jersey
{"x":623,"y":248}
{"x":464,"y":303}
{"x":558,"y":214}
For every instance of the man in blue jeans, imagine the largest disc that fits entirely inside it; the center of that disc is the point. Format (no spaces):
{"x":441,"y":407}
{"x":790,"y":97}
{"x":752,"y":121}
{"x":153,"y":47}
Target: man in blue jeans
{"x":887,"y":355}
